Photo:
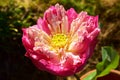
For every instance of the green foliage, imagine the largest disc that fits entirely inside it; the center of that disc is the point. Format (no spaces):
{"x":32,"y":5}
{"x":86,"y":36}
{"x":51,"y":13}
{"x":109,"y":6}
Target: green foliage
{"x":12,"y":19}
{"x":90,"y":76}
{"x":110,"y":60}
{"x":81,"y":5}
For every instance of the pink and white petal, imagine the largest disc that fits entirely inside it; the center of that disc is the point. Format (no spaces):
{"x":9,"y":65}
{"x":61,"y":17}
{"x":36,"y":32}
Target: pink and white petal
{"x":92,"y":23}
{"x":79,"y":46}
{"x":26,"y":41}
{"x":28,"y":37}
{"x":64,"y":19}
{"x":64,"y":25}
{"x":77,"y":22}
{"x":40,"y":61}
{"x":76,"y":59}
{"x":79,"y":41}
{"x":93,"y":34}
{"x":60,"y":11}
{"x":35,"y":36}
{"x":52,"y":19}
{"x":43,"y":25}
{"x":71,"y":13}
{"x":57,"y":18}
{"x":71,"y":60}
{"x":46,"y":49}
{"x":84,"y":57}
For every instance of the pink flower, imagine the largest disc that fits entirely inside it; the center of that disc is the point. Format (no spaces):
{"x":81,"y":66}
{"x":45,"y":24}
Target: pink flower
{"x":62,"y":41}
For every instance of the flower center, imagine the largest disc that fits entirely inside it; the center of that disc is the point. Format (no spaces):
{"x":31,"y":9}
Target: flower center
{"x":59,"y":40}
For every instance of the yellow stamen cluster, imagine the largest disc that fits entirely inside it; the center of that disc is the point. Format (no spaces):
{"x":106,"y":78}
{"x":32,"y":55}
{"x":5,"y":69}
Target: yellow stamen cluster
{"x":59,"y":40}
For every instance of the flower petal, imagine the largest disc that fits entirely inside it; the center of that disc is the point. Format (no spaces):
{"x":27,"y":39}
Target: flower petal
{"x":27,"y":40}
{"x":57,"y":19}
{"x":42,"y":24}
{"x":77,"y":22}
{"x":71,"y":13}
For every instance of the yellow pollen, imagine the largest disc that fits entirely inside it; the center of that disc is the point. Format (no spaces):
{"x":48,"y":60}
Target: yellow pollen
{"x":59,"y":40}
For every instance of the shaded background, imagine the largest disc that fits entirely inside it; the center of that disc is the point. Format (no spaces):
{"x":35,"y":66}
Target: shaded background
{"x":16,"y":14}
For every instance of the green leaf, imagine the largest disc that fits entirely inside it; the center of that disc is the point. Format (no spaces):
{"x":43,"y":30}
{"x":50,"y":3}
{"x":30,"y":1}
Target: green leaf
{"x":110,"y":60}
{"x":90,"y":76}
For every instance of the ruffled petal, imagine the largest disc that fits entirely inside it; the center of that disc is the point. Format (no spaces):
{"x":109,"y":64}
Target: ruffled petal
{"x":78,"y":22}
{"x":42,"y":24}
{"x":28,"y":41}
{"x":57,"y":19}
{"x":71,"y":13}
